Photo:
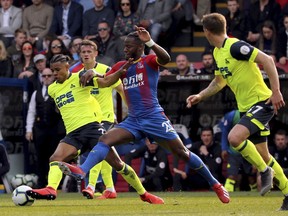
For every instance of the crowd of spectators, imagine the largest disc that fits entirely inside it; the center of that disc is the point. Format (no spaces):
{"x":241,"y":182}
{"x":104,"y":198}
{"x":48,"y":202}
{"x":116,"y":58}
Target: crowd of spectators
{"x":106,"y":22}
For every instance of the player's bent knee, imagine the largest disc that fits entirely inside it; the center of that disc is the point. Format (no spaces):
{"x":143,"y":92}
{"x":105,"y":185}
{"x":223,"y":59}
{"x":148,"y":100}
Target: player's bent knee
{"x":183,"y":155}
{"x":234,"y":142}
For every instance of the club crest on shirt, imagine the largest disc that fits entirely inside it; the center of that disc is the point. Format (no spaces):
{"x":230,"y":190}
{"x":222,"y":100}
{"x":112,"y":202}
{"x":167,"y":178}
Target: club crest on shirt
{"x":244,"y":49}
{"x":140,"y":65}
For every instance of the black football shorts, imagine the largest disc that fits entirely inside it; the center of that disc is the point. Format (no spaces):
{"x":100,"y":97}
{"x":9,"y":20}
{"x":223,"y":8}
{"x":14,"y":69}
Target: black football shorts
{"x":256,"y":119}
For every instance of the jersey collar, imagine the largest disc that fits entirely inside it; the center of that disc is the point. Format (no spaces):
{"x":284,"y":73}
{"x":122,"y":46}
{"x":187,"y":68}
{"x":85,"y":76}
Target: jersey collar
{"x":224,"y":42}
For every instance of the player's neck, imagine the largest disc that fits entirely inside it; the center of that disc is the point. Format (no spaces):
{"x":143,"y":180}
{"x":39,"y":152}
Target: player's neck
{"x":90,"y":65}
{"x":219,"y":40}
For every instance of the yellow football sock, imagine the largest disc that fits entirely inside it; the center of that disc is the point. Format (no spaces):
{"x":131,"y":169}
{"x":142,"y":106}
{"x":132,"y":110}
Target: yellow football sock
{"x":131,"y":177}
{"x":54,"y":175}
{"x":280,"y":179}
{"x":250,"y":153}
{"x":253,"y":187}
{"x":94,"y":174}
{"x":229,"y":184}
{"x":106,"y":172}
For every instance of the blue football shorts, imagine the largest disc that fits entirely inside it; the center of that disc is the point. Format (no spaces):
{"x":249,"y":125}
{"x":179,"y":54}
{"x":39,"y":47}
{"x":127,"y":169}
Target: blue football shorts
{"x":155,"y":126}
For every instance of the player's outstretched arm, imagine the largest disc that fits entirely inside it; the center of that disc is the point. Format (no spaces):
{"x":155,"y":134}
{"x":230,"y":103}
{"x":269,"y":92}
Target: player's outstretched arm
{"x":162,"y":55}
{"x":86,"y":78}
{"x":215,"y":86}
{"x":114,"y":77}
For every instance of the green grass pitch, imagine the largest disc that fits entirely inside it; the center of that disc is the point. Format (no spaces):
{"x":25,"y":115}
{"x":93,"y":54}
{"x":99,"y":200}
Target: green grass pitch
{"x":176,"y":203}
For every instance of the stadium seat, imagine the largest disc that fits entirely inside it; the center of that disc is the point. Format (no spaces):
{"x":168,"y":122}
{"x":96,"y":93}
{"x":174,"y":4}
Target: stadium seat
{"x":180,"y":128}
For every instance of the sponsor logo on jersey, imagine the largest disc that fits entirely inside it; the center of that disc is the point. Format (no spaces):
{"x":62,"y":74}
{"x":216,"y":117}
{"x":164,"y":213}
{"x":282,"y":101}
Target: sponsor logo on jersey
{"x":64,"y":99}
{"x":133,"y":81}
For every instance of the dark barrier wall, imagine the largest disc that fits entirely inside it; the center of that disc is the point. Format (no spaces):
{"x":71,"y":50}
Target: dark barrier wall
{"x":13,"y":109}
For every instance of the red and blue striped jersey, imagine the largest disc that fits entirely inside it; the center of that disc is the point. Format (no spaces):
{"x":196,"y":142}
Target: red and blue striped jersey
{"x":140,"y":84}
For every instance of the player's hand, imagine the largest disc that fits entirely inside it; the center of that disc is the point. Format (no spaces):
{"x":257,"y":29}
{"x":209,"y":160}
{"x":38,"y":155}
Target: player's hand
{"x":203,"y":150}
{"x":127,"y":64}
{"x":25,"y":74}
{"x":192,"y":100}
{"x":29,"y":136}
{"x":276,"y":100}
{"x":143,"y":34}
{"x":86,"y":77}
{"x":184,"y":175}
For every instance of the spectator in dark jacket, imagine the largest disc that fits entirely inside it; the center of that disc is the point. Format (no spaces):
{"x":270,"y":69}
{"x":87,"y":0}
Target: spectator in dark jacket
{"x":282,"y":39}
{"x":67,"y":21}
{"x":279,"y":150}
{"x":210,"y":152}
{"x":236,"y":20}
{"x":261,"y":11}
{"x":93,"y":16}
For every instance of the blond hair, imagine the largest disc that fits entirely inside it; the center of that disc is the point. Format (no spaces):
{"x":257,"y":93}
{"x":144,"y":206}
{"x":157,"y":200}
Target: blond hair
{"x":215,"y":23}
{"x":89,"y":43}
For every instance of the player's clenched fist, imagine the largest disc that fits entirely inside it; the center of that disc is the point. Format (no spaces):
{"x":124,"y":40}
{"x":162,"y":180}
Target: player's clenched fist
{"x":193,"y":99}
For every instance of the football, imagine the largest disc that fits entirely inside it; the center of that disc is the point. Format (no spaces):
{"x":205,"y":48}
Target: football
{"x":34,"y":179}
{"x":20,"y":198}
{"x":29,"y":180}
{"x":17,"y":180}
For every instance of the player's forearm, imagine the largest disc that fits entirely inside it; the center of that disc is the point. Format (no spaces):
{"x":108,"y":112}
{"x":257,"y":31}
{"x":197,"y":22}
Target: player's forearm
{"x":162,"y":55}
{"x":112,"y":78}
{"x":270,"y":69}
{"x":212,"y":89}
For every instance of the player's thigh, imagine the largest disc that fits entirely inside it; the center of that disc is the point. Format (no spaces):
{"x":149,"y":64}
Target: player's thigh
{"x":64,"y":152}
{"x":116,"y":136}
{"x":238,"y":134}
{"x":124,"y":132}
{"x":256,"y":120}
{"x":158,"y":127}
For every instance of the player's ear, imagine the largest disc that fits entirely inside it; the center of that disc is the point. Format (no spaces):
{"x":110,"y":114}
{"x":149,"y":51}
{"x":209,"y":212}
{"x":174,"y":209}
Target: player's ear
{"x":67,"y":66}
{"x":141,"y":47}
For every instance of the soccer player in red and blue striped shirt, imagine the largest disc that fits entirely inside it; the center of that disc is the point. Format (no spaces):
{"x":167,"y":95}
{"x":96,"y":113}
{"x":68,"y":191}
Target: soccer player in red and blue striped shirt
{"x":146,"y":117}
